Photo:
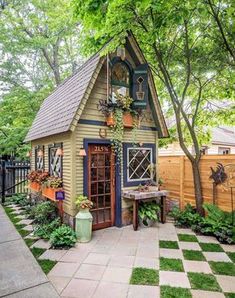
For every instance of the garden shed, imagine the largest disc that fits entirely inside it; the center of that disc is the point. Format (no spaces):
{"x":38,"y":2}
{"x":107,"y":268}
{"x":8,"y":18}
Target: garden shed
{"x":74,"y":132}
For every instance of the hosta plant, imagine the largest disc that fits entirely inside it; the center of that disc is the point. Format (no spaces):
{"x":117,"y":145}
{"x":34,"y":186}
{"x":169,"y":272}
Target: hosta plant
{"x":148,"y":211}
{"x":44,"y":230}
{"x":43,"y":213}
{"x":63,"y":237}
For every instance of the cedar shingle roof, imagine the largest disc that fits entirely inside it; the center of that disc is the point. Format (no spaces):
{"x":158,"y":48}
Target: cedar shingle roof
{"x":58,"y":109}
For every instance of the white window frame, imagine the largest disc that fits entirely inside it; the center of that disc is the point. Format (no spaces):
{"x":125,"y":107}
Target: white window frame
{"x":128,"y":162}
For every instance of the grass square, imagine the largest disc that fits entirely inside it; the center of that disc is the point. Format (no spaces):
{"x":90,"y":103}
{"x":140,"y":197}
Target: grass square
{"x":29,"y":242}
{"x":201,"y":281}
{"x":231,"y":256}
{"x":187,"y":238}
{"x":193,"y":255}
{"x":36,"y":251}
{"x":223,"y":268}
{"x":171,"y":292}
{"x":211,"y":247}
{"x":168,"y":244}
{"x":171,"y":264}
{"x":144,"y":276}
{"x":229,"y":295}
{"x":46,"y":265}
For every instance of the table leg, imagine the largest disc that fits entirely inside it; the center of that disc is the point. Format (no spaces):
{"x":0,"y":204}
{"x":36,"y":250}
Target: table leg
{"x":135,"y":215}
{"x":163,"y":209}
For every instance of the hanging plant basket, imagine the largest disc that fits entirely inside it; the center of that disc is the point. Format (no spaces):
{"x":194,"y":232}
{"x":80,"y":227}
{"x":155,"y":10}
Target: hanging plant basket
{"x":35,"y":186}
{"x":50,"y":192}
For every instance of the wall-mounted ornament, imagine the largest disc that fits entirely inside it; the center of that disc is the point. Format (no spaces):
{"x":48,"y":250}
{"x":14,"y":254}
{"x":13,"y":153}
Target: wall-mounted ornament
{"x":140,"y":87}
{"x":82,"y":152}
{"x":103,"y":133}
{"x":140,"y":92}
{"x":59,"y":152}
{"x":40,"y":153}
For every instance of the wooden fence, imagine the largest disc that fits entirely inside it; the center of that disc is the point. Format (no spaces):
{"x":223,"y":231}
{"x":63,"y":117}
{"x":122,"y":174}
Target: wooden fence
{"x":176,"y":173}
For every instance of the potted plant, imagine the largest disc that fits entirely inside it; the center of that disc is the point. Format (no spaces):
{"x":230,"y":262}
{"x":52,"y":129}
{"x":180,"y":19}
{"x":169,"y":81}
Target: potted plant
{"x":83,"y":219}
{"x":50,"y":186}
{"x":148,"y":213}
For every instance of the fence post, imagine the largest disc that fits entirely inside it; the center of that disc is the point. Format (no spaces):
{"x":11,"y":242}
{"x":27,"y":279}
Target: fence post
{"x":3,"y":180}
{"x":181,"y":202}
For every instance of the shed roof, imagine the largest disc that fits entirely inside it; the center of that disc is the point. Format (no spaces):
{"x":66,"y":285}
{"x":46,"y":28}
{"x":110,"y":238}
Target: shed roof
{"x":59,"y":109}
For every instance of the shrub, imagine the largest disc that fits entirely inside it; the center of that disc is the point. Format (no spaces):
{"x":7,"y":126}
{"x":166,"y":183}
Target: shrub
{"x":44,"y":231}
{"x":187,"y":217}
{"x":43,"y":213}
{"x":63,"y":237}
{"x":148,"y":211}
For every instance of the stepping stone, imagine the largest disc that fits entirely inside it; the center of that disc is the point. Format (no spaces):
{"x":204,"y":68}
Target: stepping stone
{"x":206,"y":294}
{"x":62,"y":269}
{"x":21,"y":216}
{"x":52,"y":254}
{"x":25,"y":222}
{"x":146,"y":251}
{"x":89,"y":271}
{"x":116,"y":274}
{"x":227,"y":283}
{"x":207,"y":239}
{"x":42,"y":244}
{"x":59,"y":283}
{"x":189,"y":245}
{"x":228,"y":248}
{"x":80,"y":288}
{"x":216,"y":256}
{"x":174,"y":279}
{"x":108,"y":289}
{"x":167,"y":232}
{"x":28,"y":228}
{"x":171,"y":253}
{"x":136,"y":291}
{"x":151,"y":263}
{"x":184,"y":231}
{"x":17,"y":212}
{"x":196,"y":266}
{"x":31,"y":236}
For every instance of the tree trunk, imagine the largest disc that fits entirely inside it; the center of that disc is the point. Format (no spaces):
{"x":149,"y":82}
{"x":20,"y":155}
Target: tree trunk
{"x":197,"y":186}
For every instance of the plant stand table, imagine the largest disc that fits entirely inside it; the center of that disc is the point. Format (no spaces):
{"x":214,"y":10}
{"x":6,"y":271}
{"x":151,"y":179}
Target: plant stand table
{"x":137,"y":196}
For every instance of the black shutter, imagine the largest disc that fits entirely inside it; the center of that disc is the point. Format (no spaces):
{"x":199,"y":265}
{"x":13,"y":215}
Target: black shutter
{"x":140,"y":86}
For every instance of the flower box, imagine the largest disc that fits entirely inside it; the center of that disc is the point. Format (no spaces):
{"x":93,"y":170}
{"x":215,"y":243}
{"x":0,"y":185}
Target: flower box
{"x":50,"y":192}
{"x":35,"y":186}
{"x":128,"y":120}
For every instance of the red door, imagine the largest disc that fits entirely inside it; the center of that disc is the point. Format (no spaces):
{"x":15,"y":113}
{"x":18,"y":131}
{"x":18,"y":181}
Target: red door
{"x":101,"y":181}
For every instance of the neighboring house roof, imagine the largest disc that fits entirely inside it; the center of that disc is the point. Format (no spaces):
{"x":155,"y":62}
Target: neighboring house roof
{"x":58,"y":113}
{"x":223,"y":136}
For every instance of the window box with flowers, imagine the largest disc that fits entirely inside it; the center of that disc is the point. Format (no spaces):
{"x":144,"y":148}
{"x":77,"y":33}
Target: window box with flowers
{"x":36,"y":178}
{"x":51,"y":186}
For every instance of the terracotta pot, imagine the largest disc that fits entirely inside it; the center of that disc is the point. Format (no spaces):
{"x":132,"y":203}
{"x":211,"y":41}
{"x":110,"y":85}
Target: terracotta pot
{"x":110,"y":120}
{"x":127,"y":120}
{"x":35,"y":186}
{"x":49,"y":192}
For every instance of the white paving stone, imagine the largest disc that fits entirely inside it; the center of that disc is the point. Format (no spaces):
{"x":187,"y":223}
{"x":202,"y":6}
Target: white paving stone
{"x":171,"y":253}
{"x":227,"y":283}
{"x":228,"y":248}
{"x":196,"y":266}
{"x":206,"y":294}
{"x":189,"y":245}
{"x":216,"y":256}
{"x":174,"y":279}
{"x":52,"y":254}
{"x":184,"y":231}
{"x":136,"y":291}
{"x":152,"y":263}
{"x":207,"y":239}
{"x":42,"y":244}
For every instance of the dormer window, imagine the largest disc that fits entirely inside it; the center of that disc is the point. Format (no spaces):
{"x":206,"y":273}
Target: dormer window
{"x":120,"y":80}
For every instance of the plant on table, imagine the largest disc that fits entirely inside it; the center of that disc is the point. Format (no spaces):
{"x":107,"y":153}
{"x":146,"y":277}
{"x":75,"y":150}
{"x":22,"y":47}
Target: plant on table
{"x":148,"y":212}
{"x":63,"y":237}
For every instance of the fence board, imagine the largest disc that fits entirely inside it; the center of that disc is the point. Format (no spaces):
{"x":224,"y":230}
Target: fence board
{"x":176,"y":173}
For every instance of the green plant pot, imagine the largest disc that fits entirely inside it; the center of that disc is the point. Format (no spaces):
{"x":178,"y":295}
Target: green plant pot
{"x":84,"y":225}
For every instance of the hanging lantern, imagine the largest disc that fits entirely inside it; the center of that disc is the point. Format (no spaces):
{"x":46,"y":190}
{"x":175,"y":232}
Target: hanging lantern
{"x":40,"y":153}
{"x":59,"y":152}
{"x":82,"y":152}
{"x":121,"y":52}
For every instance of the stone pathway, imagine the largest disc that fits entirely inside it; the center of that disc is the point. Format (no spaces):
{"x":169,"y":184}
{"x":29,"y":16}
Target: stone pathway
{"x":103,"y":267}
{"x":20,"y":274}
